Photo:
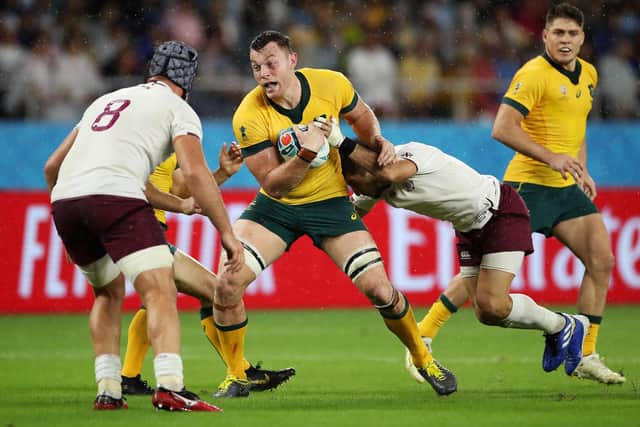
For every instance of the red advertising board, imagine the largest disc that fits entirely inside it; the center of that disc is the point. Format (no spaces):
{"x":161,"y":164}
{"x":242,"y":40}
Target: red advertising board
{"x":419,"y":256}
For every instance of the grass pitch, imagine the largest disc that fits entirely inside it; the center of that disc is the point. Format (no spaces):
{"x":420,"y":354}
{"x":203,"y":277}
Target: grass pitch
{"x":349,"y":373}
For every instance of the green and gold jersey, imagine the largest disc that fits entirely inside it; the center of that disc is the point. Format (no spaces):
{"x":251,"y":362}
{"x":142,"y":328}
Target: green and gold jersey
{"x":555,"y":103}
{"x":162,"y":178}
{"x":257,"y":122}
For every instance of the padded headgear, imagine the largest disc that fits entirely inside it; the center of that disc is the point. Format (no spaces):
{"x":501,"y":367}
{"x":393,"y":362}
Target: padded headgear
{"x":176,"y":61}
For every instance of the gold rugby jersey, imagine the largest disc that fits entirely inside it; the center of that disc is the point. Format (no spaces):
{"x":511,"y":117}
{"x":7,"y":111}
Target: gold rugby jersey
{"x":555,"y":103}
{"x":162,"y":178}
{"x":257,"y":122}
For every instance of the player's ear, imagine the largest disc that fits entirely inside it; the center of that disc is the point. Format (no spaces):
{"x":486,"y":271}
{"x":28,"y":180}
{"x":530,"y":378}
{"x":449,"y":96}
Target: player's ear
{"x":293,"y":59}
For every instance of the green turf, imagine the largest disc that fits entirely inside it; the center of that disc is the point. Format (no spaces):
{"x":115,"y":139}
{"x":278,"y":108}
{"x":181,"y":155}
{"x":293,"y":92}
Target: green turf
{"x":349,"y":374}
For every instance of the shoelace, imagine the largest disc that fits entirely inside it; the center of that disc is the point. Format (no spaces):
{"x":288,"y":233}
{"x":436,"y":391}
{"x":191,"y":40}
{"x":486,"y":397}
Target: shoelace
{"x":434,"y":371}
{"x":227,"y":381}
{"x":230,"y":379}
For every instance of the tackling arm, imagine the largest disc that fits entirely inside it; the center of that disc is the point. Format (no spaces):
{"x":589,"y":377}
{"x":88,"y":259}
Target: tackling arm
{"x":395,"y":172}
{"x":366,"y":126}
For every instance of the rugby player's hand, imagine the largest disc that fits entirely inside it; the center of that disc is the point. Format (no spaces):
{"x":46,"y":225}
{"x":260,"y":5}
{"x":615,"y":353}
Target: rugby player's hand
{"x":234,"y":250}
{"x":386,"y":152}
{"x":310,"y":137}
{"x":189,"y":206}
{"x":330,"y":129}
{"x":567,"y":165}
{"x":230,"y":160}
{"x":589,"y":186}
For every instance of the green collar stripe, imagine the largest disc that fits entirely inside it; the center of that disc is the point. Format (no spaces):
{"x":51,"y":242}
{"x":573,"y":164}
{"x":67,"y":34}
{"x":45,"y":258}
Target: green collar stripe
{"x":573,"y":76}
{"x":295,"y":114}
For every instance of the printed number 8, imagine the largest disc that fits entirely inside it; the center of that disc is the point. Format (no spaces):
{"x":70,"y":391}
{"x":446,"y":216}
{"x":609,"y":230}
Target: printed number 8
{"x":112,"y":110}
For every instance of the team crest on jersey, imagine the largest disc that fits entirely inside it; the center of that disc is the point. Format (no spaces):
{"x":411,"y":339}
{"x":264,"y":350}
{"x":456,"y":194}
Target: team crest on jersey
{"x":517,"y":87}
{"x":563,"y":90}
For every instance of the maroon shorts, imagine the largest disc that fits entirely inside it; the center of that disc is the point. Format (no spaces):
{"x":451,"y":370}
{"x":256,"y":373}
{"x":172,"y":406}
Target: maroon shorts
{"x":93,"y":226}
{"x":508,"y":230}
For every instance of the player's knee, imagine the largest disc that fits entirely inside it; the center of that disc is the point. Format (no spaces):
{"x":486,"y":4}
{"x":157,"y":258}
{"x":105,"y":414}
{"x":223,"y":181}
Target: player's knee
{"x":114,"y":292}
{"x":229,"y":289}
{"x":600,"y":263}
{"x":491,"y":311}
{"x":394,"y":306}
{"x":167,"y":294}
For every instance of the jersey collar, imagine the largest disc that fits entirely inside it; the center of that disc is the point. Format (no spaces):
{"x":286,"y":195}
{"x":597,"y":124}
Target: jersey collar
{"x":295,"y":114}
{"x":573,"y":76}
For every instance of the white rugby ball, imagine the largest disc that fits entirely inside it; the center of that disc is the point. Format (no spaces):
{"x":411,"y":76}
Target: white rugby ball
{"x":288,"y":146}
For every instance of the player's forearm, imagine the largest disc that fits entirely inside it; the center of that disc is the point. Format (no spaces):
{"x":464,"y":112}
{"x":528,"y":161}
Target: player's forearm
{"x":366,"y":126}
{"x":517,"y":139}
{"x":220,"y":176}
{"x":365,"y":158}
{"x":281,"y":180}
{"x":582,"y":153}
{"x":206,"y":193}
{"x":162,"y":200}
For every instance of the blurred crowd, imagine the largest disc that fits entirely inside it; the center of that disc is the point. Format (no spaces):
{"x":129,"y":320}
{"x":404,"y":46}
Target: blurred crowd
{"x":439,"y":59}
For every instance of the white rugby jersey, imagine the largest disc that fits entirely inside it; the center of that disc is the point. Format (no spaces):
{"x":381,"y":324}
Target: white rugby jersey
{"x":443,"y":187}
{"x":122,"y":137}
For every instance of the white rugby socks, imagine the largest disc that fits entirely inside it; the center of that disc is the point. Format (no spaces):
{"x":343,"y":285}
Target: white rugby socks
{"x":107,"y":368}
{"x":526,"y":314}
{"x":168,"y":369}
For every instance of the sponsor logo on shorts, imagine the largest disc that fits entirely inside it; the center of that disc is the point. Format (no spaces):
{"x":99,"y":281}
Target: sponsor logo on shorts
{"x":465,"y":255}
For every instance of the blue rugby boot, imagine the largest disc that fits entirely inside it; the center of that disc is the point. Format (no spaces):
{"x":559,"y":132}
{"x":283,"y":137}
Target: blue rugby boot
{"x":556,"y":345}
{"x":574,"y":354}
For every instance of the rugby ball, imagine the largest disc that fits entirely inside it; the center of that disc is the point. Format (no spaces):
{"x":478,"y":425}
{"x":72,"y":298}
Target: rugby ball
{"x":288,"y":146}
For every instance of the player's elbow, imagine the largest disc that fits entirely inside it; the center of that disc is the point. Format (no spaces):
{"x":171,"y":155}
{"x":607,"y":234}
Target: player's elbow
{"x":50,"y":172}
{"x":273,"y":191}
{"x":504,"y":127}
{"x":497,"y":132}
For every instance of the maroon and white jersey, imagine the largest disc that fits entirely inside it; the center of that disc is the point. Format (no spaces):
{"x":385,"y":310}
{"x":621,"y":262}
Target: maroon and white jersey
{"x":443,"y":187}
{"x":122,"y":137}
